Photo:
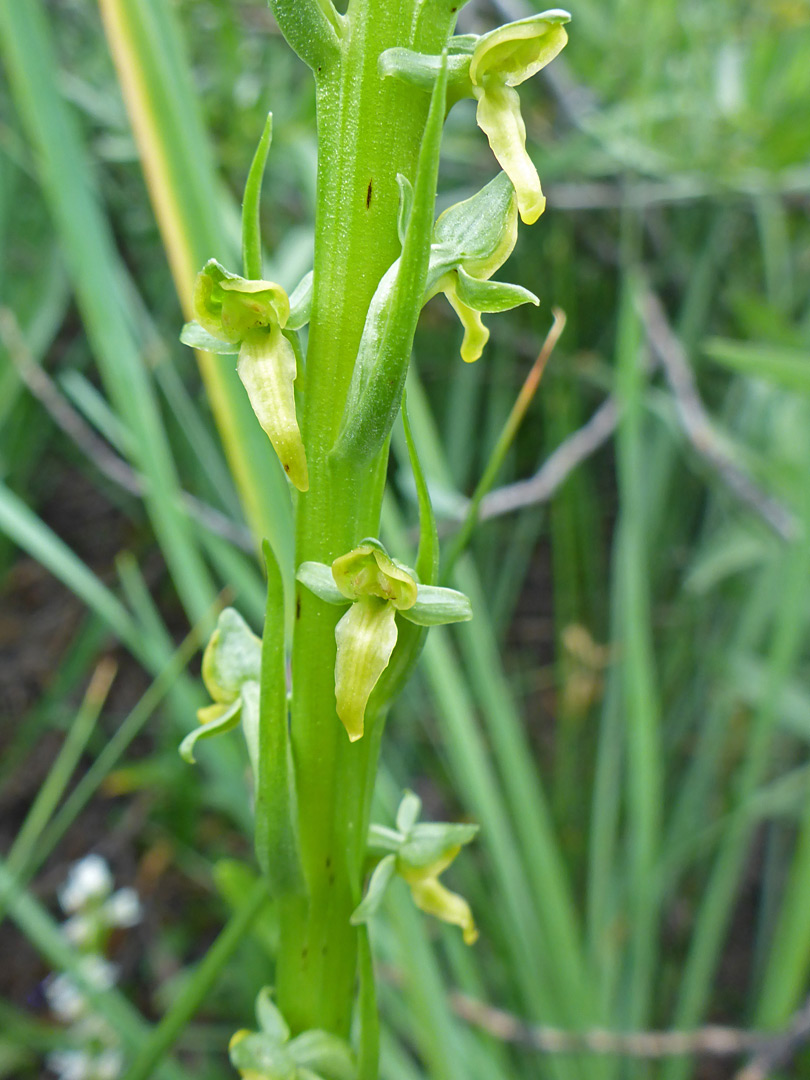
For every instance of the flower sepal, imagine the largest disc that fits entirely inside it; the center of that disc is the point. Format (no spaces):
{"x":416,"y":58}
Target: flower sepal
{"x":231,"y":671}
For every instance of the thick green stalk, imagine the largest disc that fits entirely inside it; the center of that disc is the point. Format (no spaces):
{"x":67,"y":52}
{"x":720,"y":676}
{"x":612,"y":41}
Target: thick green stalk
{"x":361,"y":149}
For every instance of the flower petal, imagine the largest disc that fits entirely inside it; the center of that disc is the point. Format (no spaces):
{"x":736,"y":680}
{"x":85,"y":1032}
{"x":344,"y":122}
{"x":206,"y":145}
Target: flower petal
{"x":499,"y":117}
{"x":267,"y":370}
{"x":491,"y":296}
{"x":365,"y":636}
{"x":227,"y":719}
{"x":479,"y":233}
{"x":232,"y":656}
{"x":476,"y":334}
{"x":433,"y":898}
{"x":368,"y":571}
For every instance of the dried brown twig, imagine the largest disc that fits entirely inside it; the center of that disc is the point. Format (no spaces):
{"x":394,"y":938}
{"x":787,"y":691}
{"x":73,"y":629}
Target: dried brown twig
{"x":769,"y":1049}
{"x":697,"y":423}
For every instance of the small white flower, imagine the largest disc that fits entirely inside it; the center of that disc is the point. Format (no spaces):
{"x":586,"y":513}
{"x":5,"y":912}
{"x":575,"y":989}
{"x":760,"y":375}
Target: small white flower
{"x":123,"y":908}
{"x":88,"y":880}
{"x":78,"y":930}
{"x":108,"y":1065}
{"x":70,"y":1064}
{"x":100,"y":973}
{"x":92,"y":1028}
{"x":64,"y":998}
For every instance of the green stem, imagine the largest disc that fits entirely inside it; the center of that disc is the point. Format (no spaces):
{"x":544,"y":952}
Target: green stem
{"x":360,"y":153}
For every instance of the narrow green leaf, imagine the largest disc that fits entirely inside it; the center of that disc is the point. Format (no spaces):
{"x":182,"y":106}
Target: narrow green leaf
{"x":276,"y":813}
{"x":427,"y":556}
{"x":379,"y":375}
{"x":23,"y":526}
{"x":789,"y":368}
{"x":251,"y":206}
{"x":368,"y":1055}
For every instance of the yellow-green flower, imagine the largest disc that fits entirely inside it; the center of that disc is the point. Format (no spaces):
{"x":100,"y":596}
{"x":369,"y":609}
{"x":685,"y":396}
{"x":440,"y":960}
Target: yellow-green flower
{"x":271,"y":1054}
{"x":231,"y":670}
{"x":378,"y":589}
{"x":502,"y":60}
{"x":419,"y":853}
{"x":237,"y":314}
{"x":471,"y":241}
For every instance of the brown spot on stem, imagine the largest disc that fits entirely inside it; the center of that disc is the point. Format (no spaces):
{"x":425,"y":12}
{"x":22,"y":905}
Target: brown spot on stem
{"x":369,"y":194}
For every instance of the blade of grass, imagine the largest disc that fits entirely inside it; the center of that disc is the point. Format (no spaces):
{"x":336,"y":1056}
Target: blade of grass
{"x":46,"y":937}
{"x":638,"y":678}
{"x":96,"y":273}
{"x":473,"y":772}
{"x":163,"y":109}
{"x":716,"y":905}
{"x":55,"y":783}
{"x":523,"y":788}
{"x":503,"y":443}
{"x":35,"y":538}
{"x":162,"y":1038}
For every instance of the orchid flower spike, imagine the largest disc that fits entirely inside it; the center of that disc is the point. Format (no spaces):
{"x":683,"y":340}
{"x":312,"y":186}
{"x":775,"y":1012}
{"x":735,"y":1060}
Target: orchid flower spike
{"x":236,"y":314}
{"x":377,"y":588}
{"x":502,"y":60}
{"x":231,"y":670}
{"x":419,"y":853}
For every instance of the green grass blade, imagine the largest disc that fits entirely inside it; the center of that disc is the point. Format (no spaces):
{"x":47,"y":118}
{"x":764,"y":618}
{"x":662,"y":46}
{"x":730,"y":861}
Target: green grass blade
{"x":164,"y":110}
{"x":60,"y":773}
{"x":97,"y":277}
{"x":46,"y":937}
{"x":715,"y":909}
{"x":23,"y":526}
{"x":639,"y":694}
{"x":163,"y":1037}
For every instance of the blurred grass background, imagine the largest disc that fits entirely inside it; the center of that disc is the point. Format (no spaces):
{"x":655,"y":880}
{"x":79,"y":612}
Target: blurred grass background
{"x":628,"y":715}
